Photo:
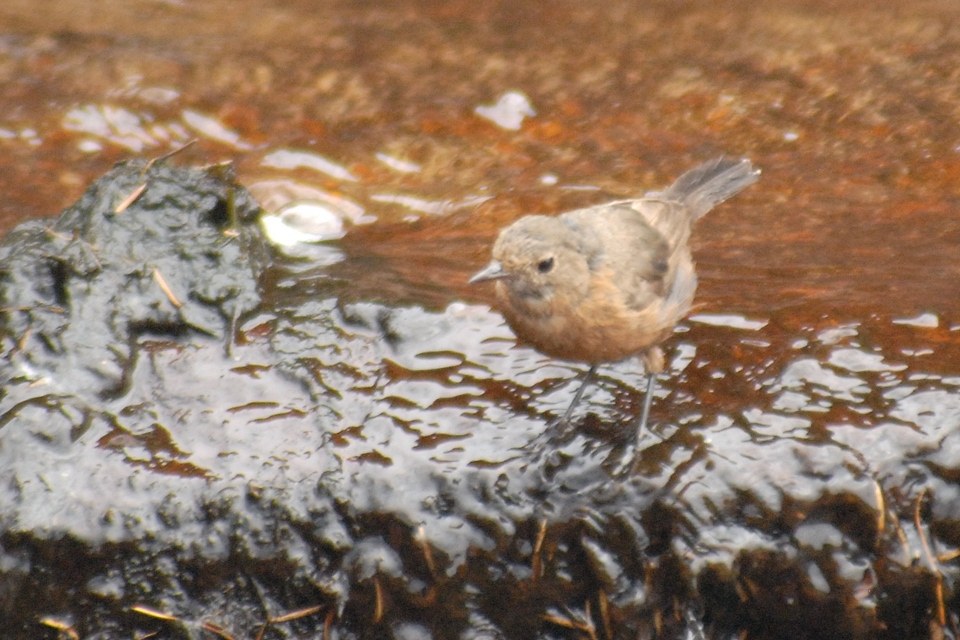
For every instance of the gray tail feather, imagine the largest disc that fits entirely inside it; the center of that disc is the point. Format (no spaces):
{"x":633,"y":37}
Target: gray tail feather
{"x":705,"y":186}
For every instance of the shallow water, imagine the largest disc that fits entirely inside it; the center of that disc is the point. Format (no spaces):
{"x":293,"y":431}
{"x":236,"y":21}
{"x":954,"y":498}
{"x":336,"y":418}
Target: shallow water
{"x":823,"y":356}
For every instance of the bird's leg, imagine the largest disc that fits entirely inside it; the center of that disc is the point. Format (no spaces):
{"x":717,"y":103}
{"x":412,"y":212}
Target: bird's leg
{"x":647,"y":401}
{"x":587,"y":377}
{"x":650,"y":360}
{"x":653,"y":362}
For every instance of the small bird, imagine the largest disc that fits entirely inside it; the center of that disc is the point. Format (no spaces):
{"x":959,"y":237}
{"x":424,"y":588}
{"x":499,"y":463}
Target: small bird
{"x":611,"y":281}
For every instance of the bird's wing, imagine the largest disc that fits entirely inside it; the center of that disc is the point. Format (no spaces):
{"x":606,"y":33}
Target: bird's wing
{"x":624,"y":245}
{"x":669,"y":217}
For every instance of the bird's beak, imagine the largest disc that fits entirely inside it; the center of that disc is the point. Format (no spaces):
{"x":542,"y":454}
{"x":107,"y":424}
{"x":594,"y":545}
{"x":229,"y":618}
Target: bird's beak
{"x":493,"y":271}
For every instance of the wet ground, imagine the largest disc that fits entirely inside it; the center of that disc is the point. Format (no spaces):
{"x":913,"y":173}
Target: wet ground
{"x":822,"y":361}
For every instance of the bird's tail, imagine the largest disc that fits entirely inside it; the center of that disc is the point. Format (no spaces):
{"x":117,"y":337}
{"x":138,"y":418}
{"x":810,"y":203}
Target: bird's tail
{"x":707,"y":185}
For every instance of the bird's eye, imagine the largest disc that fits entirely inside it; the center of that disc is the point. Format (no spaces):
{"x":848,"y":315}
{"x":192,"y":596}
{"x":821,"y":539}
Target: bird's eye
{"x":545,"y":265}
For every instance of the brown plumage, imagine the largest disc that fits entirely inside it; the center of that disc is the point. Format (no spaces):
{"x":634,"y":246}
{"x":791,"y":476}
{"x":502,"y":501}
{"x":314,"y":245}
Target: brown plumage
{"x":611,"y":281}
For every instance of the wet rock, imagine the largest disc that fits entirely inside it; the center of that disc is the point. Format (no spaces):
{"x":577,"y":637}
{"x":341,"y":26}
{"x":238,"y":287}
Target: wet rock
{"x":147,"y":251}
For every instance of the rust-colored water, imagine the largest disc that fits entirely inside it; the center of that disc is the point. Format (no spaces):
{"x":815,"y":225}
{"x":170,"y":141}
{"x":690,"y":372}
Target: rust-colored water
{"x":850,"y":112}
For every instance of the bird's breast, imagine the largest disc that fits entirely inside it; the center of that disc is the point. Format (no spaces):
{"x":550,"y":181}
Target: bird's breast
{"x":597,"y":327}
